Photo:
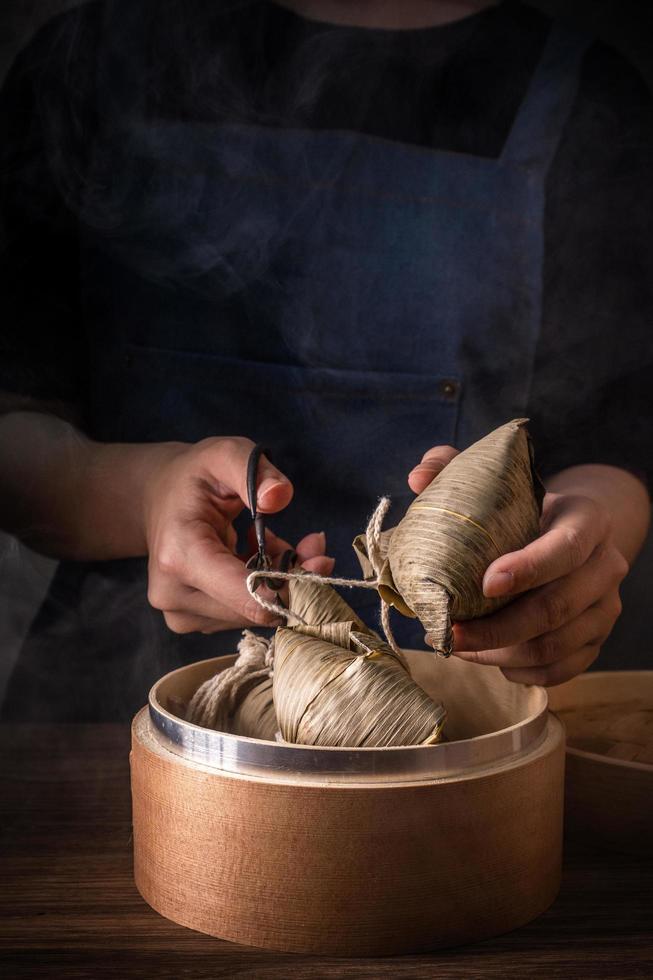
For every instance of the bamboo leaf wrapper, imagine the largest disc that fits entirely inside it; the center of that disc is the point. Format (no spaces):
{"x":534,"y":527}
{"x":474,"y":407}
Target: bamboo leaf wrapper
{"x":485,"y":503}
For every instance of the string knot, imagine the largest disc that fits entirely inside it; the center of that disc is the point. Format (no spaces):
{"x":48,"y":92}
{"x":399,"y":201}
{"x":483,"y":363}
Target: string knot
{"x":373,"y":541}
{"x":216,"y":699}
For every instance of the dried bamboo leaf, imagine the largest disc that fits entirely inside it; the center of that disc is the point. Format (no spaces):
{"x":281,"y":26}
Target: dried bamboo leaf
{"x":360,"y":547}
{"x":328,"y":693}
{"x":319,"y":605}
{"x":239,"y":699}
{"x":325,"y":613}
{"x":255,"y":716}
{"x":485,"y":503}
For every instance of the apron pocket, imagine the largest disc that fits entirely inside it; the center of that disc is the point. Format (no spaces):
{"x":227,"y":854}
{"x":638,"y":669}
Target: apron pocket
{"x":344,"y":437}
{"x":362,"y":415}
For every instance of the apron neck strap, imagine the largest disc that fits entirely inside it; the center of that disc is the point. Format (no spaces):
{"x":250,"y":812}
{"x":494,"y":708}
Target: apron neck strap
{"x":538,"y":125}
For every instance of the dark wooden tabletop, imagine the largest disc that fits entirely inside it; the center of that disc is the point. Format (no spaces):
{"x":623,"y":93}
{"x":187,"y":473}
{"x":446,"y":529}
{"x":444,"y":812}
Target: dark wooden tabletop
{"x":69,"y":908}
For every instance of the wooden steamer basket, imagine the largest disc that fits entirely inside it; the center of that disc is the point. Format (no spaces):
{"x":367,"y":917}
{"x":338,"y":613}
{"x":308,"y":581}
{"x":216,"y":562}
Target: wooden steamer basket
{"x":609,"y":793}
{"x":352,"y":851}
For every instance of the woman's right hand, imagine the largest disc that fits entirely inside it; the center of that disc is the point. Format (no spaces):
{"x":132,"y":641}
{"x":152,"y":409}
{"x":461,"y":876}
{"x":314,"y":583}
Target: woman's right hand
{"x":192,"y":498}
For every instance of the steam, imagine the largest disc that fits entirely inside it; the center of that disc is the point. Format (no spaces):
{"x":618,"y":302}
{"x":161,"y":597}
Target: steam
{"x":128,"y":94}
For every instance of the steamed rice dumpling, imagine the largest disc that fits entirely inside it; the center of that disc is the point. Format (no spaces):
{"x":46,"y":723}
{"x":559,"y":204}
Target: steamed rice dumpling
{"x":337,"y":683}
{"x":329,"y":680}
{"x":238,"y":700}
{"x":254,"y":716}
{"x":485,"y":503}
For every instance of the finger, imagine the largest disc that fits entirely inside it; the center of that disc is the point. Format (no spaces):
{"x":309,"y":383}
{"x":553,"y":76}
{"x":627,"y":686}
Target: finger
{"x":181,"y":600}
{"x":570,"y":540}
{"x":222,"y":577}
{"x":433,"y":462}
{"x":225,"y":462}
{"x":274,"y":545}
{"x":321,"y":565}
{"x":182,"y":622}
{"x":556,"y":673}
{"x":591,"y":628}
{"x":197,"y":605}
{"x":311,"y":546}
{"x":544,"y":609}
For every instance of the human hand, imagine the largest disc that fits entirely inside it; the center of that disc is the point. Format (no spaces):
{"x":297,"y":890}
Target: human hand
{"x":195,"y":577}
{"x":566,"y":588}
{"x":433,"y":462}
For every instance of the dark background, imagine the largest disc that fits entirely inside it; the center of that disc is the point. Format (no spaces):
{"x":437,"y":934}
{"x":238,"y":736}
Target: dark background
{"x":626,"y":24}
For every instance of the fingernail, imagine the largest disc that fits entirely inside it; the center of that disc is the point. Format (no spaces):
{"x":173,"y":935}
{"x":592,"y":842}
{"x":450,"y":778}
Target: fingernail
{"x":267,"y":485}
{"x":498,"y":583}
{"x":320,"y":565}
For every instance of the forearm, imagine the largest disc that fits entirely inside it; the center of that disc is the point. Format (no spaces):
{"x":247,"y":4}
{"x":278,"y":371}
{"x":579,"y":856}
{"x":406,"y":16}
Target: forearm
{"x":69,"y":496}
{"x":622,"y":493}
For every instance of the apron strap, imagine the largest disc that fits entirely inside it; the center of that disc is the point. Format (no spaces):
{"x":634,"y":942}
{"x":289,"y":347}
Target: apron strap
{"x":538,"y":125}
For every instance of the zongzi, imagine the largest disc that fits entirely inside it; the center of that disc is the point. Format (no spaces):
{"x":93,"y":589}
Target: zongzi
{"x":485,"y":503}
{"x":326,"y":680}
{"x":337,"y":683}
{"x":239,"y":699}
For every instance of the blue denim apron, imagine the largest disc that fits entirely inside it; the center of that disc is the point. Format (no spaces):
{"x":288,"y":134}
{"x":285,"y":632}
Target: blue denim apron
{"x":345,"y":300}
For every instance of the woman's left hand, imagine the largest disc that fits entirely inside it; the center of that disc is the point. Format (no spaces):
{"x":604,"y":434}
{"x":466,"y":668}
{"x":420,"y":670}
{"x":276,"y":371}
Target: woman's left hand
{"x":567,"y":587}
{"x":566,"y":583}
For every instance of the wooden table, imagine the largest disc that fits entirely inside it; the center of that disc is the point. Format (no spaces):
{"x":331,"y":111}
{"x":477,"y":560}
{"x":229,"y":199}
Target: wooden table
{"x":69,"y":907}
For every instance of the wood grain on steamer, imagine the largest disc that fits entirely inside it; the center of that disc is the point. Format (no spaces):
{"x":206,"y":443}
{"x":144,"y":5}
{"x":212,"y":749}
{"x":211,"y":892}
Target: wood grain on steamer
{"x":359,"y":869}
{"x":69,"y":907}
{"x":609,"y":776}
{"x":618,"y":730}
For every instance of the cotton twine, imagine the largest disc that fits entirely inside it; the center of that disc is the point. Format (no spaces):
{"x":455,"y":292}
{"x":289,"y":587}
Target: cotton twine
{"x":488,"y":502}
{"x":485,"y":503}
{"x":376,"y":560}
{"x":215,"y":701}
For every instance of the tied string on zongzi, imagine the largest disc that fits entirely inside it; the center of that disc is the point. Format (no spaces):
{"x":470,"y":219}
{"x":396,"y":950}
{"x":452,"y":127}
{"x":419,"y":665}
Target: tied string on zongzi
{"x":334,"y":682}
{"x":239,"y":699}
{"x":485,"y":503}
{"x":376,"y":544}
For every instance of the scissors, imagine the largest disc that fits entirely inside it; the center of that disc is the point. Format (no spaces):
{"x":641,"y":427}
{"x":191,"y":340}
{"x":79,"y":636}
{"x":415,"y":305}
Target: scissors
{"x":260,"y":561}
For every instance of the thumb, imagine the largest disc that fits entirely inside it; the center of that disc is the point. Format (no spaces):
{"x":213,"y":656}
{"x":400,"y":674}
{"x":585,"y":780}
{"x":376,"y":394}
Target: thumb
{"x":433,"y":462}
{"x":228,"y":458}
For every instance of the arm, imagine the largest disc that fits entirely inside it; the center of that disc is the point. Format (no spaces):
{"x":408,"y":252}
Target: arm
{"x":175,"y":502}
{"x":590,"y":394}
{"x":70,"y":497}
{"x":60,"y":491}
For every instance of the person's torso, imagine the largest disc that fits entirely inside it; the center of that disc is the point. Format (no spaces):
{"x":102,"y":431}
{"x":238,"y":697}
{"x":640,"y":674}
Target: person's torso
{"x":345,"y":298}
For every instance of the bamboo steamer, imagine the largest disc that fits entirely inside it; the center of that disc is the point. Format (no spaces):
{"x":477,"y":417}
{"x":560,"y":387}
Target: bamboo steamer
{"x":368,"y":851}
{"x":609,"y":771}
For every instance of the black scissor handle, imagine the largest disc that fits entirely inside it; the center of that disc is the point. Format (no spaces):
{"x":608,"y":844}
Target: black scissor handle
{"x":252,"y":477}
{"x":288,"y":559}
{"x":261,"y":561}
